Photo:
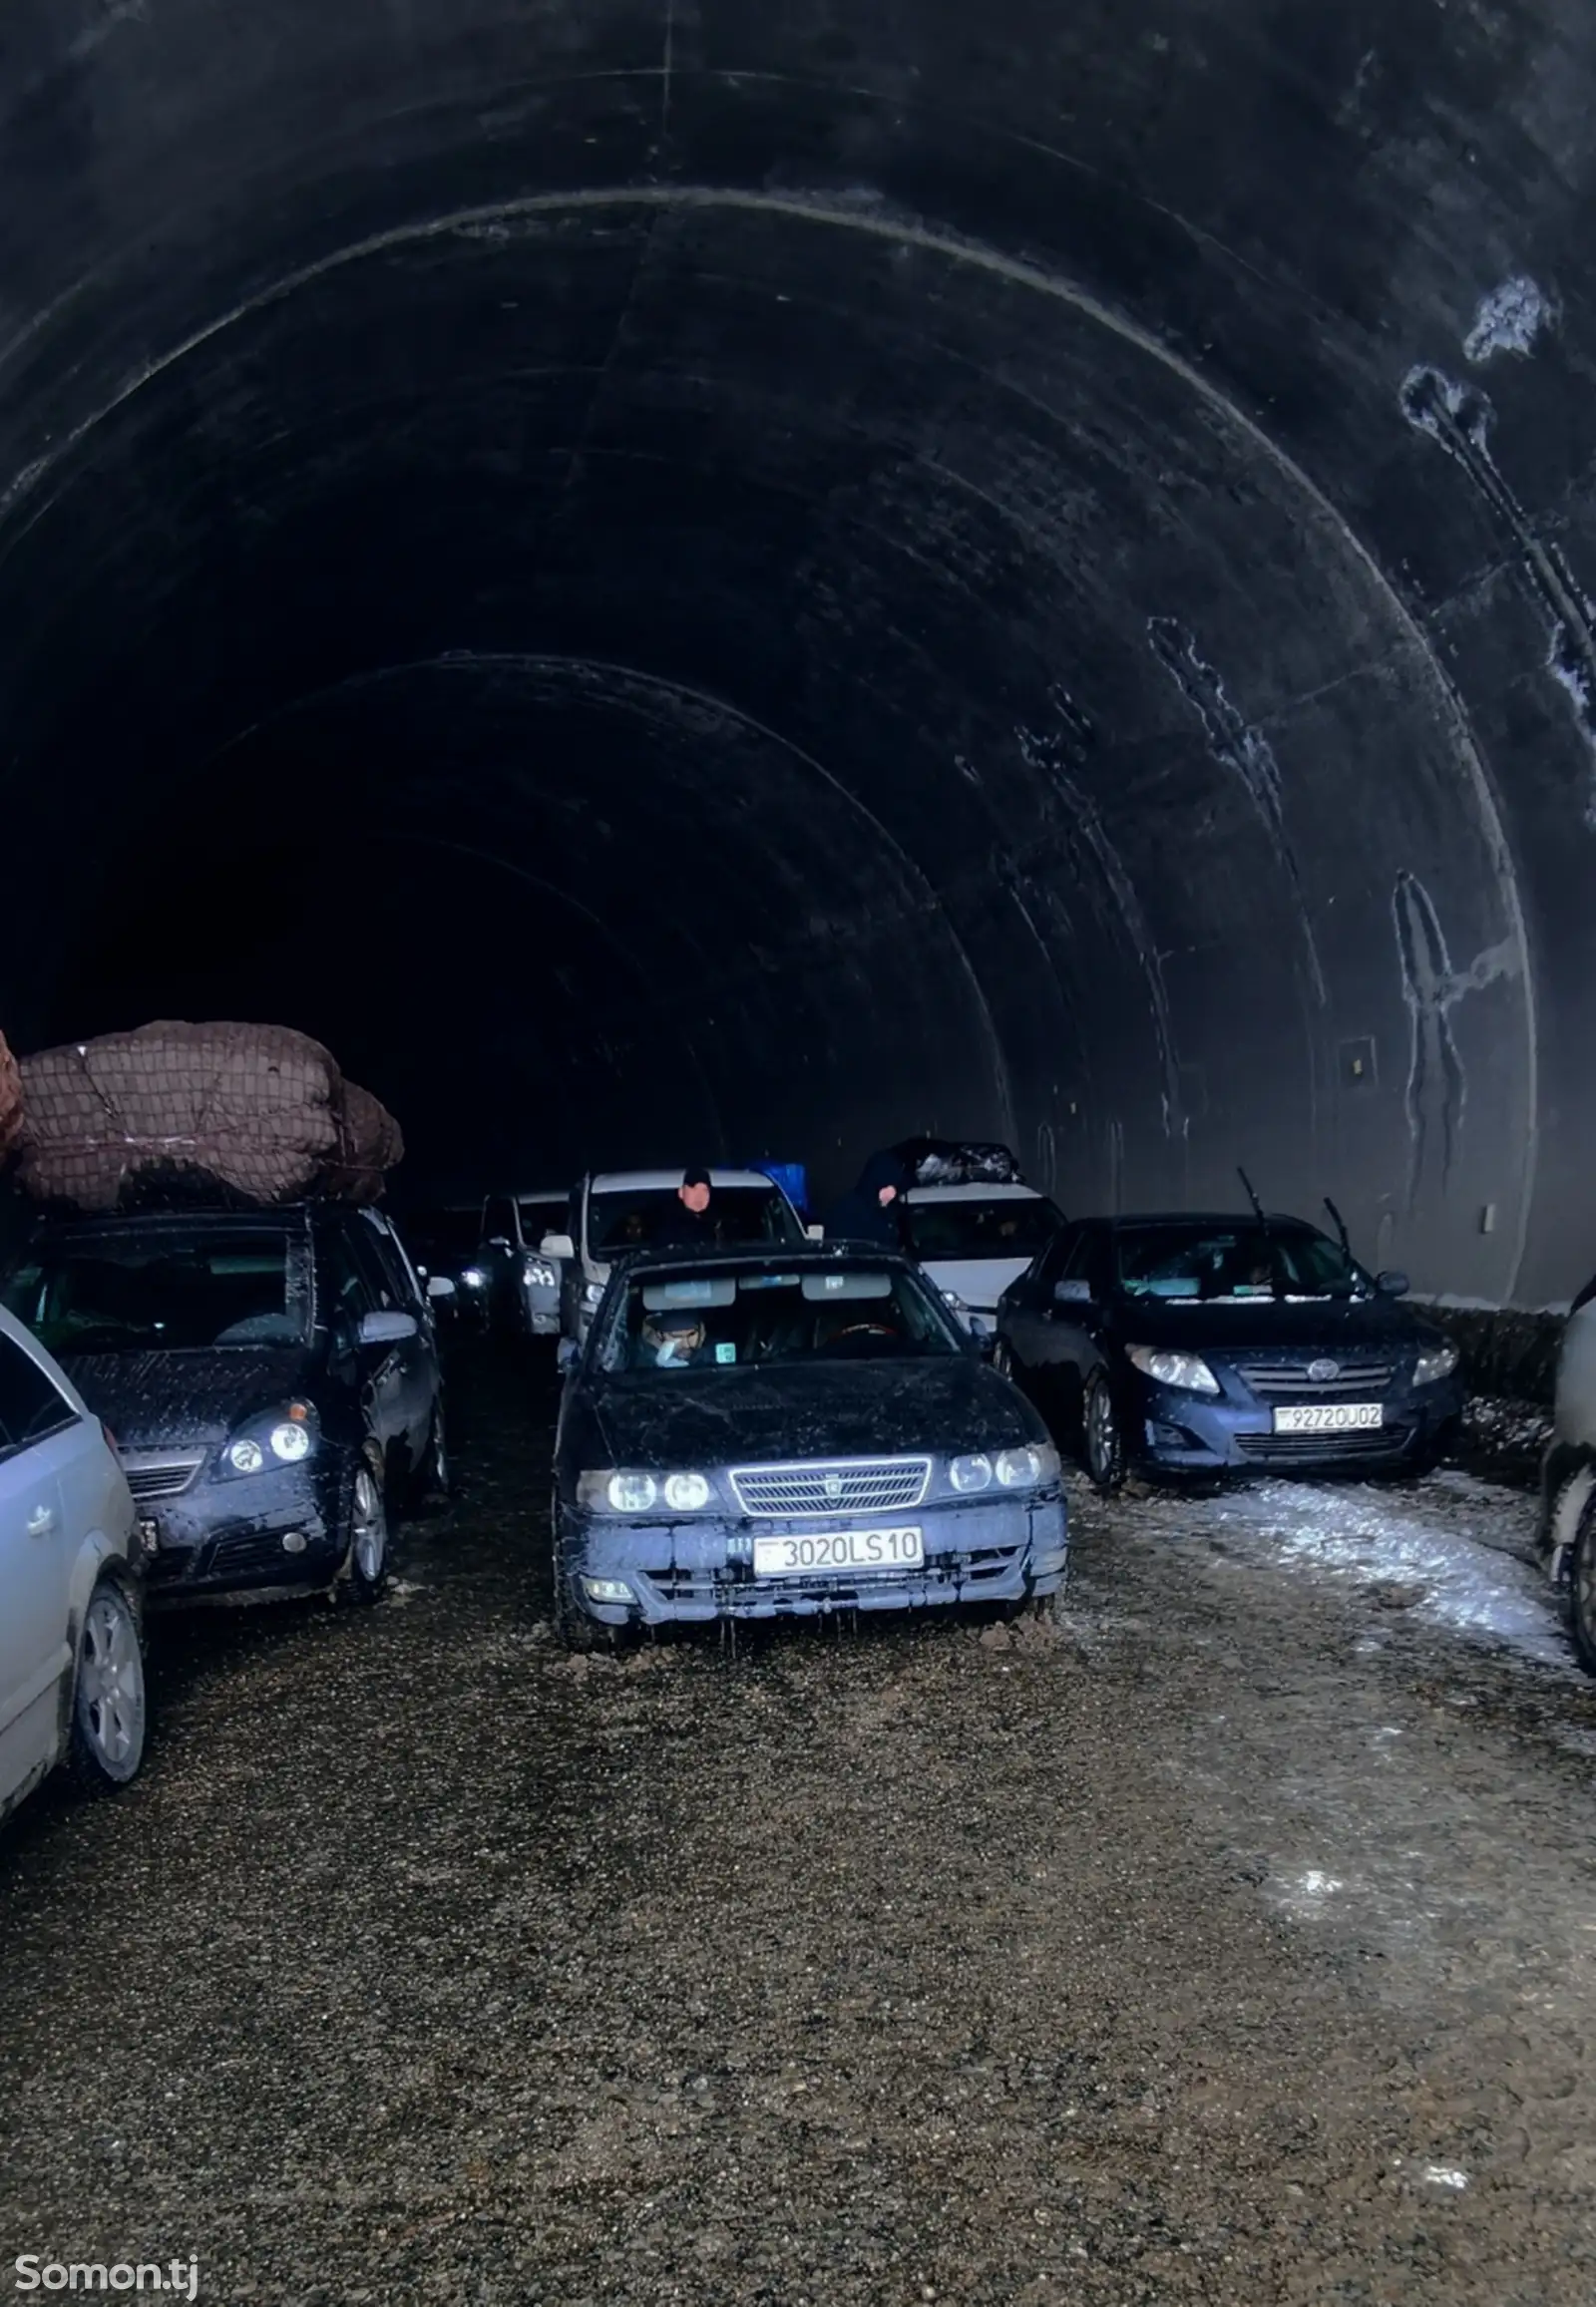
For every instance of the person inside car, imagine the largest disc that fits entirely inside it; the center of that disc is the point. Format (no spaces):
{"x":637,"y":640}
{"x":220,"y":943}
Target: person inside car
{"x":673,"y":1339}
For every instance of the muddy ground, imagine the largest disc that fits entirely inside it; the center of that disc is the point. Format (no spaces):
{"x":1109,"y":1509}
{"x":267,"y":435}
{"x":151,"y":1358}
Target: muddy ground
{"x":1234,"y":1943}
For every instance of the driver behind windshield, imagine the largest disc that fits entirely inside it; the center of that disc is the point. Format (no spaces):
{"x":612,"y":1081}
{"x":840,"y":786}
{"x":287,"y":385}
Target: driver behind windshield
{"x":674,"y":1338}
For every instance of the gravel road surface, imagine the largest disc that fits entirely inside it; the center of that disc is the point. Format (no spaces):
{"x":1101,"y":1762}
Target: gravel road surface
{"x":1232,"y":1941}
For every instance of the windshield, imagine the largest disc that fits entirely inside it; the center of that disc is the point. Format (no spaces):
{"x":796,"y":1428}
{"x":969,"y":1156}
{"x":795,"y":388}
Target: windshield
{"x":742,"y":1216}
{"x":1009,"y":1225}
{"x":1239,"y":1262}
{"x":170,"y":1292}
{"x":738,"y":1320}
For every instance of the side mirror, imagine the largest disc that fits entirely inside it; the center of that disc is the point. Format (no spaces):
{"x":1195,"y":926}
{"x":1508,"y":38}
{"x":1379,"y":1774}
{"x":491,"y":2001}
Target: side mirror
{"x":814,"y":1233}
{"x":1075,"y":1293}
{"x":557,"y":1246}
{"x":439,"y":1286}
{"x":386,"y":1328}
{"x":1393,"y":1285}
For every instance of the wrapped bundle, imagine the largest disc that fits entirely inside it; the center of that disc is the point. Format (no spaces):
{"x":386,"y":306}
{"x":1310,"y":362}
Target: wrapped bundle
{"x":370,"y":1144}
{"x":10,"y":1100}
{"x":251,"y":1113}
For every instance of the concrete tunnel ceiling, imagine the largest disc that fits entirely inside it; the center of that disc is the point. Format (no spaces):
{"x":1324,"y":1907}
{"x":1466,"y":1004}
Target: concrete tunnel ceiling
{"x":682,"y":576}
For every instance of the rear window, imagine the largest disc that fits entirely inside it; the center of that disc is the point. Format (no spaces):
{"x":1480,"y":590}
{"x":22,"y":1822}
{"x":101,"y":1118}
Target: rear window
{"x":1009,"y":1225}
{"x":743,"y":1217}
{"x":166,"y":1292}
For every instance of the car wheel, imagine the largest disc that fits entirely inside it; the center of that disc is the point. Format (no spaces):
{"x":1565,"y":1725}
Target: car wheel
{"x":1582,"y":1588}
{"x":1105,"y":1443}
{"x":433,"y":1477}
{"x":107,"y":1706}
{"x":366,"y":1568}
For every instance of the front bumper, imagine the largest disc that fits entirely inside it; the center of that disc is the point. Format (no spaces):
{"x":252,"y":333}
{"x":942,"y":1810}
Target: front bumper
{"x":1201,"y":1433}
{"x":700,"y":1568}
{"x":225,"y":1536}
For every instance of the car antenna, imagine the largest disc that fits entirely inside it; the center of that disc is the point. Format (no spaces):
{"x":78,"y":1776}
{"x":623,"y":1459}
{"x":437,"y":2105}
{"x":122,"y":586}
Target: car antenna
{"x":1341,"y":1227}
{"x":1262,"y":1216}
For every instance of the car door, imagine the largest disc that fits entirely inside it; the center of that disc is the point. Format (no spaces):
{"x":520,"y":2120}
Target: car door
{"x":1074,"y":1327}
{"x":501,"y":1251}
{"x":1028,"y":1305}
{"x":423,"y":1369}
{"x":39,"y":1433}
{"x":403,"y":1373}
{"x":379,"y":1378}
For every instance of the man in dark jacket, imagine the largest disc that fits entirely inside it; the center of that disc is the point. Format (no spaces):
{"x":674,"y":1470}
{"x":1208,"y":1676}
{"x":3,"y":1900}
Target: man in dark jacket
{"x":874,"y":1211}
{"x":691,"y":1223}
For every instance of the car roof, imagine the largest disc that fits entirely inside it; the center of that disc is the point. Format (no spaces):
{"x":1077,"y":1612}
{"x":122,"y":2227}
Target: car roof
{"x":795,"y":1256}
{"x":1203,"y":1218}
{"x":666,"y":1181}
{"x":1010,"y":1193}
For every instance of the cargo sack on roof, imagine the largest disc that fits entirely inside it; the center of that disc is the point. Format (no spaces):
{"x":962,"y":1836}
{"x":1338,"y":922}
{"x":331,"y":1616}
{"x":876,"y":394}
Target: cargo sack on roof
{"x":370,"y":1144}
{"x":254,"y":1112}
{"x":934,"y":1161}
{"x":10,"y":1100}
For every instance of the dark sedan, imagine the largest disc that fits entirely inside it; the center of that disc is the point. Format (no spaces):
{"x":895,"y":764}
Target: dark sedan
{"x":271,"y":1379}
{"x":753,"y":1434}
{"x":1196,"y":1344}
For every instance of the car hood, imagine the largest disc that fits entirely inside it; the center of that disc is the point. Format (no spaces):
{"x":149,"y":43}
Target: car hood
{"x":157,"y":1401}
{"x":844,"y":1410}
{"x":1264,"y":1327}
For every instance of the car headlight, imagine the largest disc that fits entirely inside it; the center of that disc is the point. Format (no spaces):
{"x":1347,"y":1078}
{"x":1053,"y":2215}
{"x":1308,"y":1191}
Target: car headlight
{"x":1027,"y":1467}
{"x":1186,"y":1372}
{"x":688,"y":1493}
{"x":612,"y":1491}
{"x":971,"y":1474}
{"x":592,"y":1293}
{"x":474,"y":1278}
{"x":282,"y":1442}
{"x":1436,"y":1362}
{"x":538,"y":1274}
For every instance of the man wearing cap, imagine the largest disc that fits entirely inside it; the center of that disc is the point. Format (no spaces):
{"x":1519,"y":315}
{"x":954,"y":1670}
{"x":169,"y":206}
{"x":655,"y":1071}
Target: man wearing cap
{"x":692,"y":1224}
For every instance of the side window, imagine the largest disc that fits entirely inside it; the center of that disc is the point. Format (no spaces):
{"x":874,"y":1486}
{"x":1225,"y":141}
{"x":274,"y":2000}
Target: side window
{"x":344,"y":1289}
{"x":31,"y":1407}
{"x":386,"y":1267}
{"x":1096,"y":1258}
{"x":1057,"y":1259}
{"x":397,"y":1259}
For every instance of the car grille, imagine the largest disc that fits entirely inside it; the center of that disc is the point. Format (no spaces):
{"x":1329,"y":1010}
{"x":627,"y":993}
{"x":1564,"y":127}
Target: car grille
{"x":161,"y":1477}
{"x":1378,"y":1442}
{"x":1354,"y":1381}
{"x":841,"y":1486}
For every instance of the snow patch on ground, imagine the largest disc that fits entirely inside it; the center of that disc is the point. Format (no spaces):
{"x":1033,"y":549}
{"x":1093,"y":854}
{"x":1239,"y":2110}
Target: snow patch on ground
{"x":1455,"y":1550}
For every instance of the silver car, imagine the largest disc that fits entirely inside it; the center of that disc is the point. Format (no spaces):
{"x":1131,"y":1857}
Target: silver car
{"x":72,"y":1684}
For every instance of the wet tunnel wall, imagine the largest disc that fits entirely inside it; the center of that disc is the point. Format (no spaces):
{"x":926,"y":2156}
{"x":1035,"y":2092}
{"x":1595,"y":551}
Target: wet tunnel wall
{"x":680,"y":577}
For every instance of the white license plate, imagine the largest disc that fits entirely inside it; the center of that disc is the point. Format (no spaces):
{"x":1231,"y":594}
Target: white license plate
{"x":1330,"y":1417}
{"x":828,"y":1553}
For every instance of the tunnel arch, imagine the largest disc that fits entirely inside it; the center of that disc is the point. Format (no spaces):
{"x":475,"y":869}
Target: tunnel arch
{"x":1112,"y":666}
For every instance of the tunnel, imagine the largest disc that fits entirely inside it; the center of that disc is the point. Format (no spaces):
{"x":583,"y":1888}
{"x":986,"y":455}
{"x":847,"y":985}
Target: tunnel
{"x":680,"y":579}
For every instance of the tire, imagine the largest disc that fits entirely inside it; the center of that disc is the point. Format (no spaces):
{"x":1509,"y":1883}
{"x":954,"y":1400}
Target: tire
{"x":109,"y":1706}
{"x":433,"y":1482}
{"x":365,"y":1572}
{"x":1582,"y":1588}
{"x":1102,"y":1438}
{"x":573,"y":1629}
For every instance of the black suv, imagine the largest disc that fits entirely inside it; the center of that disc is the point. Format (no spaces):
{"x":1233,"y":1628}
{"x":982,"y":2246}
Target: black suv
{"x":271,"y":1378}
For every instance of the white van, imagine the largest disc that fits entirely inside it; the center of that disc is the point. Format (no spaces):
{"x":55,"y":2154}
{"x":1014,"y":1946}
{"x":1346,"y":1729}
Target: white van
{"x":975,"y":1239}
{"x":620,"y":1210}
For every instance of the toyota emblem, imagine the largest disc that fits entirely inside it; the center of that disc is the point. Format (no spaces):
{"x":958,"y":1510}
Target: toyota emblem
{"x":1324,"y":1372}
{"x":834,"y":1486}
